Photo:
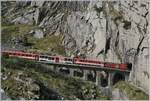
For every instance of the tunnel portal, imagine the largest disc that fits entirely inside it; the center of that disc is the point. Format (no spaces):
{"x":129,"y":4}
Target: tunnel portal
{"x":118,"y":77}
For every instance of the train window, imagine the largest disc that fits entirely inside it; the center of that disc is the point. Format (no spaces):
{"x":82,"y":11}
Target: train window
{"x":22,"y":54}
{"x":70,"y":59}
{"x":17,"y":54}
{"x":13,"y":54}
{"x":44,"y":57}
{"x":41,"y":56}
{"x":50,"y":58}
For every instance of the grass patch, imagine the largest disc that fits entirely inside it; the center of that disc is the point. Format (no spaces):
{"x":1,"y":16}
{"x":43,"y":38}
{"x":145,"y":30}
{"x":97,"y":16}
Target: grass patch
{"x":49,"y":43}
{"x":14,"y":31}
{"x":131,"y":92}
{"x":21,"y":34}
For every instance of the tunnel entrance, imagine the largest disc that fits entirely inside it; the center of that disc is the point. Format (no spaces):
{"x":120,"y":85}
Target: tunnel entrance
{"x":118,"y":77}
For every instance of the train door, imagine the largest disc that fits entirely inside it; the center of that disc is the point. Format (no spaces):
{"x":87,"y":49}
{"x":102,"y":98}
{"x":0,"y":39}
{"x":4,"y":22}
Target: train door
{"x":75,"y":59}
{"x":37,"y":57}
{"x":57,"y":59}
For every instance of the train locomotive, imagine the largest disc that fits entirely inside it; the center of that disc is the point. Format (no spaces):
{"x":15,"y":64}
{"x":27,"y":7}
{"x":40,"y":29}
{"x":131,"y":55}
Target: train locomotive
{"x":67,"y":60}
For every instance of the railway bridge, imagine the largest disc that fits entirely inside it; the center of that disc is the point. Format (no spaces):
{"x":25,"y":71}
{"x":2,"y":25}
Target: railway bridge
{"x":102,"y":76}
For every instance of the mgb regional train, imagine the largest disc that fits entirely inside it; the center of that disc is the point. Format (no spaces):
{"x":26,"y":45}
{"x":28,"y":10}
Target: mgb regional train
{"x":67,"y":60}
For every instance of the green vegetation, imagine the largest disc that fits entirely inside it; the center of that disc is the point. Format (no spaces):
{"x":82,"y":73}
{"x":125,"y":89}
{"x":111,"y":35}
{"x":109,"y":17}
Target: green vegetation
{"x":131,"y":92}
{"x":49,"y":42}
{"x":14,"y":31}
{"x":20,"y":33}
{"x":69,"y":88}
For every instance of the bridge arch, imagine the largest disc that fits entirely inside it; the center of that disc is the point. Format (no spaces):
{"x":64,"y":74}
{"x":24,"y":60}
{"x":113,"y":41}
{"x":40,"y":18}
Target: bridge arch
{"x":104,"y":79}
{"x":118,"y":77}
{"x":92,"y":76}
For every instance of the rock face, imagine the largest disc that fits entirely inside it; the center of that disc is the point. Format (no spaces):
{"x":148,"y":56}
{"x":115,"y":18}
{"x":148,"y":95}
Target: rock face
{"x":37,"y":33}
{"x":115,"y":31}
{"x":118,"y":95}
{"x":4,"y":95}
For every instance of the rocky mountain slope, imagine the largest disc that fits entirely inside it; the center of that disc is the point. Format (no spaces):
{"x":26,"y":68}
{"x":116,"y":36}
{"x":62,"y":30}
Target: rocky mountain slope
{"x":28,"y":80}
{"x":115,"y":31}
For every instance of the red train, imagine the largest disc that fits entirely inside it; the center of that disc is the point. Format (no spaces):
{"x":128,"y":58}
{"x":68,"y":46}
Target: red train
{"x":58,"y":59}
